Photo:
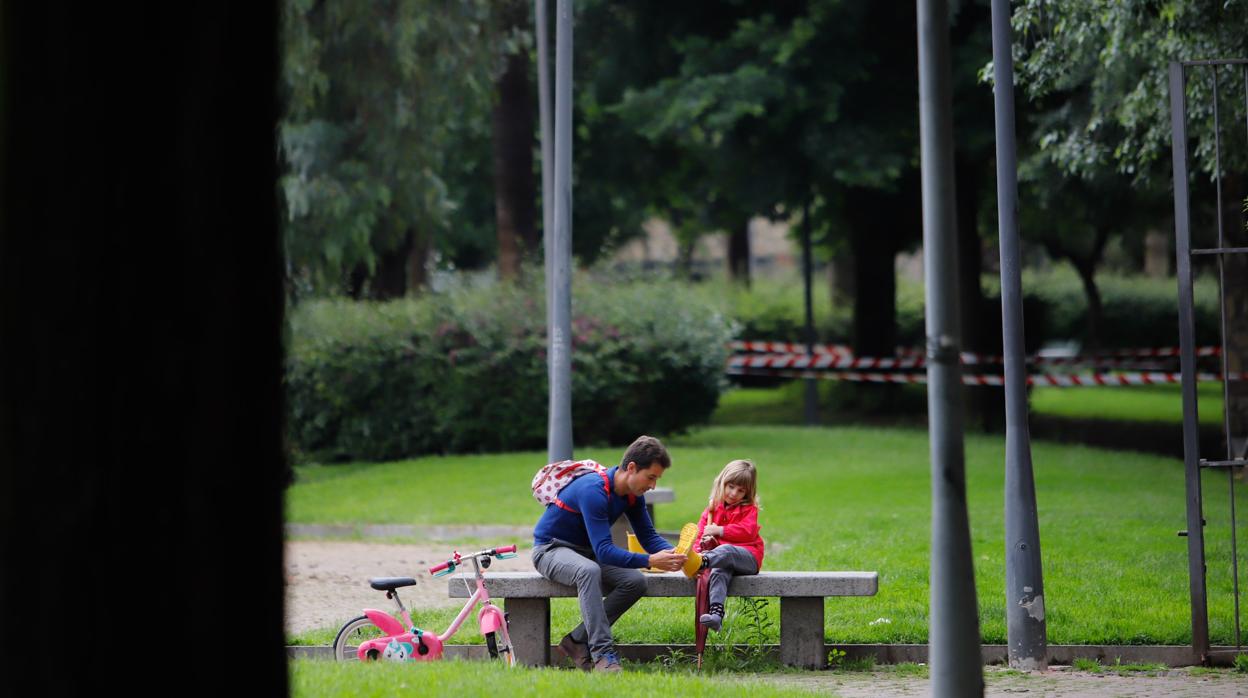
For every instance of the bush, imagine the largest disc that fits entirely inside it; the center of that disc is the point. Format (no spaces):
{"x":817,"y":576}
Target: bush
{"x":1137,"y":311}
{"x":359,"y":379}
{"x":466,"y":370}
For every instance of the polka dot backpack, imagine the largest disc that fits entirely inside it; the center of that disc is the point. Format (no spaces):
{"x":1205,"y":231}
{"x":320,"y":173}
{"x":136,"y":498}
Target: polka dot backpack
{"x":552,"y":478}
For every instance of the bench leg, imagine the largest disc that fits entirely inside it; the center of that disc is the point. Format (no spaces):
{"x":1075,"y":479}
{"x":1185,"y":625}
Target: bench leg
{"x":530,"y":630}
{"x":801,"y":632}
{"x":619,"y":532}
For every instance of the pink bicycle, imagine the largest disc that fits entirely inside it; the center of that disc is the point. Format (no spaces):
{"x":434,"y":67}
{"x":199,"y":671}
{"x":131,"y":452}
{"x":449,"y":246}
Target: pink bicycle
{"x":378,"y":635}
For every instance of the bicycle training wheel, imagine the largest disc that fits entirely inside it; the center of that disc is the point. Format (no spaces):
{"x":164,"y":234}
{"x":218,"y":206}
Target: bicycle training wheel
{"x":356,"y":630}
{"x":506,"y":653}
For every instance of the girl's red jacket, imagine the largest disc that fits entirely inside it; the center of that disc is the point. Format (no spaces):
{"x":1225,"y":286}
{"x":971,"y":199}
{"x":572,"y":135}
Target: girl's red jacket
{"x":740,"y":524}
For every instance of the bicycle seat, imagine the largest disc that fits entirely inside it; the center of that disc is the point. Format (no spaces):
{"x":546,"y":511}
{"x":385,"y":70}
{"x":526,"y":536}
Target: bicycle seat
{"x":390,"y":583}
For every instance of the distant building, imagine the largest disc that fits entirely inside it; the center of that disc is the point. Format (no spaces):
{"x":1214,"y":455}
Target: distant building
{"x":772,"y":251}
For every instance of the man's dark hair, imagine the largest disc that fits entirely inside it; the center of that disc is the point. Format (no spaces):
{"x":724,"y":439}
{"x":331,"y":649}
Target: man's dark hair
{"x":645,"y":452}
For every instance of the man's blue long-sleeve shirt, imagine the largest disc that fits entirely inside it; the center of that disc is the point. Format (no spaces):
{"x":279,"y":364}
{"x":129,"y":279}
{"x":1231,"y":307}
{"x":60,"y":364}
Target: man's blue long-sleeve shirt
{"x":591,"y":528}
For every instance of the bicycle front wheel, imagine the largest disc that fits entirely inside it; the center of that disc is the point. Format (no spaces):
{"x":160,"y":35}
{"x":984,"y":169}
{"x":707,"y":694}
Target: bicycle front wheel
{"x":355,"y":631}
{"x":505,"y":653}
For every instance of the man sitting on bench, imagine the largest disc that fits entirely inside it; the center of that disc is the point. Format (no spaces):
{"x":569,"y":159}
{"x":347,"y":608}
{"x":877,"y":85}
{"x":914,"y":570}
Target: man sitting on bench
{"x":572,"y":546}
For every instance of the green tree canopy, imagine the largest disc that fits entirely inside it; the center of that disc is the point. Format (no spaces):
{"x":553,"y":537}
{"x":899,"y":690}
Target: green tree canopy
{"x":380,"y":98}
{"x":1098,"y":71}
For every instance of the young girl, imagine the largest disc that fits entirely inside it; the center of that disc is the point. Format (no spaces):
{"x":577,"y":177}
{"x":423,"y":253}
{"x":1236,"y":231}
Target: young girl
{"x":728,"y":537}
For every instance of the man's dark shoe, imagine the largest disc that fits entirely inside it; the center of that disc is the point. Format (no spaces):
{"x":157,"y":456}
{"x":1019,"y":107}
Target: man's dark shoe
{"x":578,"y":653}
{"x":609,"y":663}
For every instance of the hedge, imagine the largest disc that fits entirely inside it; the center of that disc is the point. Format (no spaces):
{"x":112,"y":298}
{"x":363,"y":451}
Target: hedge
{"x":1137,"y":311}
{"x":466,"y":370}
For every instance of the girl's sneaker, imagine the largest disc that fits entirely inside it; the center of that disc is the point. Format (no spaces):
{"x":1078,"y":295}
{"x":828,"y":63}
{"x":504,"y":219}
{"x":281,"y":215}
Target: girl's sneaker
{"x":715,"y":618}
{"x":711,"y":621}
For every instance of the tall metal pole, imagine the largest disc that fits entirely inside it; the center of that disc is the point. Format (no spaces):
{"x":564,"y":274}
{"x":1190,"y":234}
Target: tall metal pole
{"x":1024,"y":578}
{"x":953,"y":635}
{"x":1187,"y":362}
{"x":559,"y":252}
{"x":812,"y":390}
{"x":542,"y":39}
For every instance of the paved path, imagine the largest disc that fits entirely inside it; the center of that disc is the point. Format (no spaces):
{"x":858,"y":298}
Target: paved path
{"x":1000,"y":683}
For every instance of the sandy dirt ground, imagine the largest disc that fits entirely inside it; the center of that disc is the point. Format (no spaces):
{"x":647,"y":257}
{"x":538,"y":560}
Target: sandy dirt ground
{"x":327,"y":584}
{"x":327,"y":581}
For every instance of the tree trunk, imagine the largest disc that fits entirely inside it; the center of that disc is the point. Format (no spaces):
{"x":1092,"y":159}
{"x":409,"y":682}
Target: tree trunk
{"x":739,"y":253}
{"x":390,"y":279}
{"x":418,"y":261}
{"x":356,"y":280}
{"x":841,"y":277}
{"x":684,"y":256}
{"x":981,"y":322}
{"x":875,"y":294}
{"x":1157,"y":254}
{"x":1085,"y":267}
{"x":515,"y":188}
{"x":879,"y":220}
{"x":1087,"y":275}
{"x":1235,"y":234}
{"x":875,"y":276}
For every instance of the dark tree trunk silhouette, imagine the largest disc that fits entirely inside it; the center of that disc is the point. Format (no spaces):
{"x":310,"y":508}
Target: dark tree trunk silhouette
{"x":739,"y":253}
{"x":1235,"y":234}
{"x":418,"y":261}
{"x":515,"y":187}
{"x":870,"y":214}
{"x":1085,"y":266}
{"x":981,"y":320}
{"x":390,"y":278}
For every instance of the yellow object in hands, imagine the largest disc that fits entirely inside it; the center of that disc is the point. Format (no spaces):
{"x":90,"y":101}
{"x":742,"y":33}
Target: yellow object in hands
{"x":693,"y":562}
{"x":634,"y":546}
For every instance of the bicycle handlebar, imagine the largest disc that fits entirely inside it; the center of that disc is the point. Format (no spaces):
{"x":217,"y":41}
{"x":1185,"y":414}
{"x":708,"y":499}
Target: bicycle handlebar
{"x":453,"y":562}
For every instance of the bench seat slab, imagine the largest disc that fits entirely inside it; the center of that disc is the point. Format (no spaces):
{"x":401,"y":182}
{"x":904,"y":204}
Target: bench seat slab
{"x":531,"y":585}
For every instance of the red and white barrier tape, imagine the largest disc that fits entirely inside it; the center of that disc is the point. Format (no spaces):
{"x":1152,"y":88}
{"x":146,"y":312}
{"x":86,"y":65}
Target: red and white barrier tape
{"x":915,"y":358}
{"x":789,"y":348}
{"x":824,"y":361}
{"x":1164,"y":351}
{"x":1054,"y":380}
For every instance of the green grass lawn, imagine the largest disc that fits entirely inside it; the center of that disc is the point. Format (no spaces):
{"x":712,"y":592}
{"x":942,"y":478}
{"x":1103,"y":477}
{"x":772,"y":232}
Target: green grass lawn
{"x":1137,"y":403}
{"x":383,"y":679}
{"x":857,"y":498}
{"x":1143,"y":403}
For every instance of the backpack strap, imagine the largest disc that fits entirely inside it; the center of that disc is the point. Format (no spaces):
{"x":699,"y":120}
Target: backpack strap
{"x":606,"y":487}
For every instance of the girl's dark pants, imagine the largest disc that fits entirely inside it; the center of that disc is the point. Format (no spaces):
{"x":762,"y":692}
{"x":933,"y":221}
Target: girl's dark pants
{"x":727,"y":561}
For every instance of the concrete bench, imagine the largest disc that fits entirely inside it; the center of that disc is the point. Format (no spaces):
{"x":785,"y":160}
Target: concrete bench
{"x":527,"y":600}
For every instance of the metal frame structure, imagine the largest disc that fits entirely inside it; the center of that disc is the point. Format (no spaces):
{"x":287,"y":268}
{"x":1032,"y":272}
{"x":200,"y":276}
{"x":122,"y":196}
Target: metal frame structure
{"x":1194,"y":465}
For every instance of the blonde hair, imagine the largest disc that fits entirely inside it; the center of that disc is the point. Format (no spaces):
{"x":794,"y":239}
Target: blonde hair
{"x":741,"y":473}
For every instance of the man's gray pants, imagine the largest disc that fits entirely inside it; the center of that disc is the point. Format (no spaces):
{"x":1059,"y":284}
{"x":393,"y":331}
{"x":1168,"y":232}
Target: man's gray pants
{"x":575,"y":566}
{"x":726,"y":561}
